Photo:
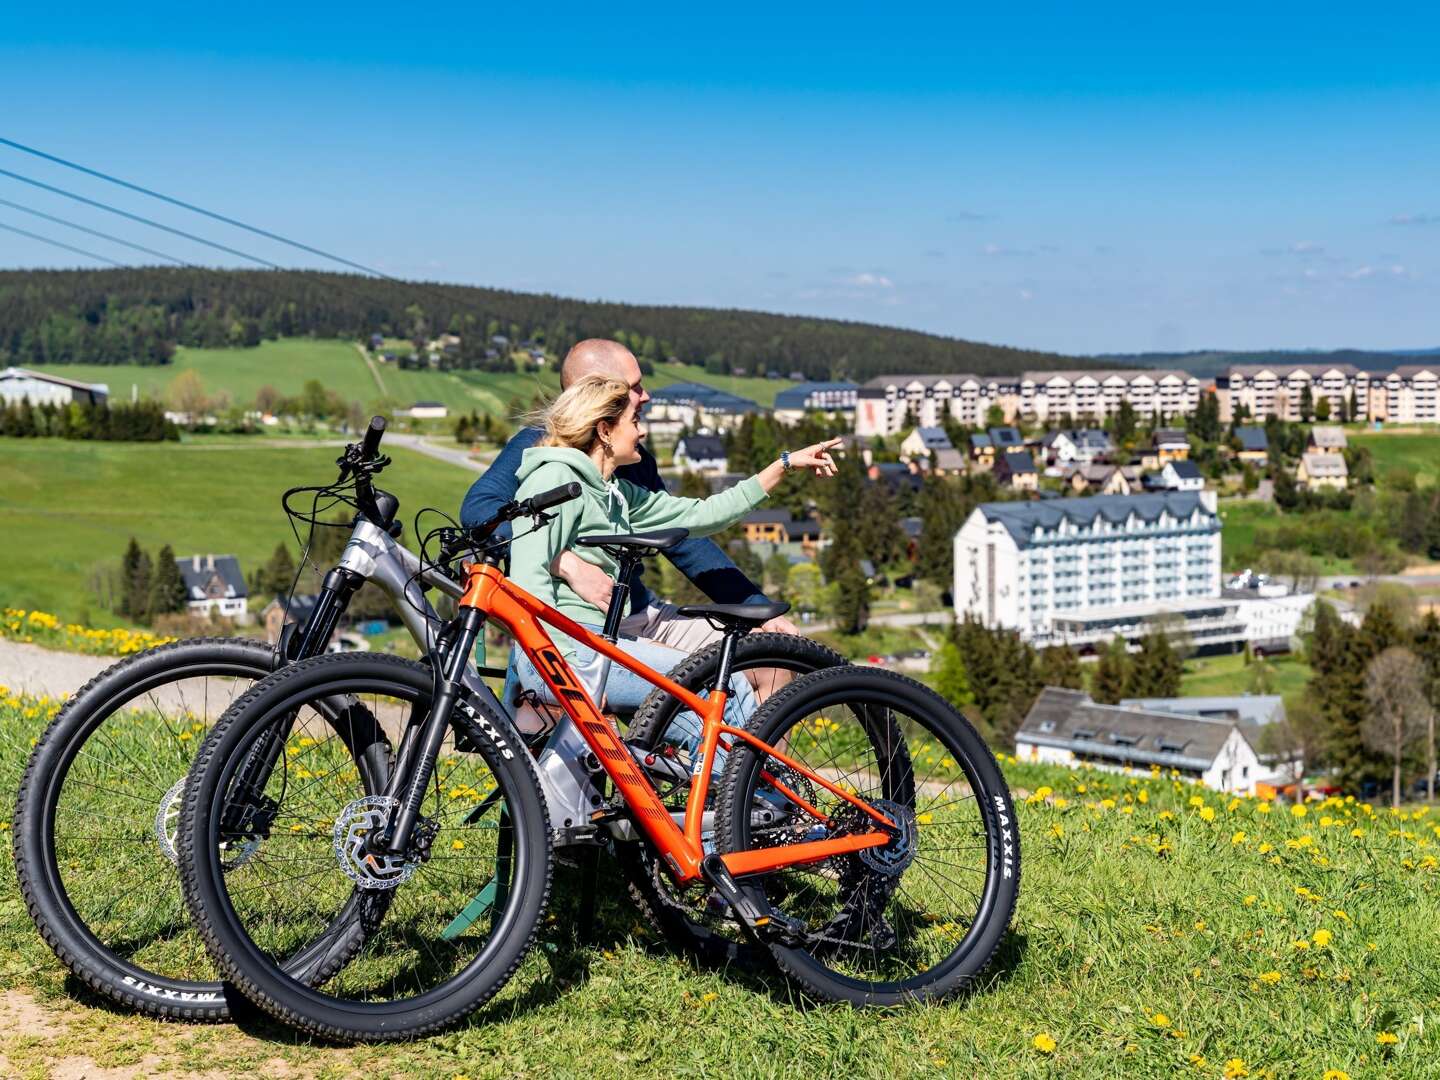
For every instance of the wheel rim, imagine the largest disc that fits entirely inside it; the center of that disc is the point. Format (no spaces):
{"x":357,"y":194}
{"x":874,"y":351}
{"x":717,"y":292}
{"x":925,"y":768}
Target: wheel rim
{"x":889,"y":920}
{"x":413,"y":935}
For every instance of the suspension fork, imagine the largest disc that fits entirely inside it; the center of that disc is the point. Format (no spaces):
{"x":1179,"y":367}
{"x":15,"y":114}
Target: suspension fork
{"x":413,"y":772}
{"x":336,"y":591}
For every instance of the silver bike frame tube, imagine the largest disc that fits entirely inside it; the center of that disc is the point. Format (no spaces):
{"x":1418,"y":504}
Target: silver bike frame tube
{"x":371,"y":552}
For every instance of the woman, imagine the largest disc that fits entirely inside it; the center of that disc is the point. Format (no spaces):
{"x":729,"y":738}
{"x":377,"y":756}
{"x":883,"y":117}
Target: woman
{"x":592,"y":429}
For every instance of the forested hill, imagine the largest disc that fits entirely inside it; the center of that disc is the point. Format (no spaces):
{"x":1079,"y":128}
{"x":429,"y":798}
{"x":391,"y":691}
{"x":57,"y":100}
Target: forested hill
{"x":139,"y":315}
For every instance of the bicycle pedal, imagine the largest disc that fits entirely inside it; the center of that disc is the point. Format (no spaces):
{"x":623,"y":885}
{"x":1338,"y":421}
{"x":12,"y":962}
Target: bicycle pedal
{"x":753,"y":917}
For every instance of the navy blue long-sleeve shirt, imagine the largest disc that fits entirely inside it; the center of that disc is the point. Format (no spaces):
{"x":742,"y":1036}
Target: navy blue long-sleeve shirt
{"x":700,"y":560}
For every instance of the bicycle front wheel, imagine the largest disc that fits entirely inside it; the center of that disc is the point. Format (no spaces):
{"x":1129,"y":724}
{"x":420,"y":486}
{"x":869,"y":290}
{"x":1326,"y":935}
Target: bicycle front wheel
{"x":444,"y":926}
{"x":916,"y":919}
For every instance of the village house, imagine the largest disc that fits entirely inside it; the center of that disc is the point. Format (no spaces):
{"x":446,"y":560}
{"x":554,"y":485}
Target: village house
{"x":982,"y":451}
{"x":19,"y":384}
{"x":1081,"y":446}
{"x":780,"y":527}
{"x":427,"y":410}
{"x":1182,"y":476}
{"x":1016,"y":468}
{"x":1317,"y":470}
{"x":1099,"y":480}
{"x":1254,"y":445}
{"x":1327,"y":439}
{"x":924,"y":441}
{"x":1170,"y":444}
{"x":214,"y":583}
{"x":701,"y":453}
{"x":947,"y":462}
{"x":1065,"y":727}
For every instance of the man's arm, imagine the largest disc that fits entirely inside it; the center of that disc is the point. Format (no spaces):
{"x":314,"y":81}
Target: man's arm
{"x":702,"y":561}
{"x":498,"y":484}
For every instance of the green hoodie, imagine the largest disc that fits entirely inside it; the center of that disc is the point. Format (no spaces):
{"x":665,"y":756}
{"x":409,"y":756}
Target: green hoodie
{"x":615,"y":507}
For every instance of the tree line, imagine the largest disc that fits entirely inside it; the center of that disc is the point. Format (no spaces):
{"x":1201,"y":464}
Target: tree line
{"x":138,"y":316}
{"x":142,"y":422}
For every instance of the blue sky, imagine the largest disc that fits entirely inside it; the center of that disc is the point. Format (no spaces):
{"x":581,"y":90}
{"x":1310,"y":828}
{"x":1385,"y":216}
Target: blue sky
{"x":1062,"y":179}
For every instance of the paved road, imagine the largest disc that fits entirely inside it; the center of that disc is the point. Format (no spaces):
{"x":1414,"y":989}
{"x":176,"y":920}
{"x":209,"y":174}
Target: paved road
{"x":421,"y":445}
{"x":942,"y":617}
{"x":34,"y":670}
{"x":1339,"y":581}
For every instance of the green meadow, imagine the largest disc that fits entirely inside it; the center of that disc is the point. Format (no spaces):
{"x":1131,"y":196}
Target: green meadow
{"x":70,"y":506}
{"x":1162,"y":930}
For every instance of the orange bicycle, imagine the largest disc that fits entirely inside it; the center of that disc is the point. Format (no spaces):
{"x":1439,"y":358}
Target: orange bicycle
{"x":858,"y":828}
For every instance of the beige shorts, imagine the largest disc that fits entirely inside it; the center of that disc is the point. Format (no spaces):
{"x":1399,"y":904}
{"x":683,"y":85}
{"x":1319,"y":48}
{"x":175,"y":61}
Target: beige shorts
{"x":663,"y":624}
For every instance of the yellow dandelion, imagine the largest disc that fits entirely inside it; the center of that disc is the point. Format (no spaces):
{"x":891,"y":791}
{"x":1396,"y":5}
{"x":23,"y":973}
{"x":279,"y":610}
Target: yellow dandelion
{"x":1340,"y":914}
{"x":1335,"y":1074}
{"x":1249,"y":901}
{"x":1270,"y":978}
{"x":1160,"y":1020}
{"x":1235,"y":1068}
{"x":1143,"y":796}
{"x":1298,"y":810}
{"x":1044,"y":1043}
{"x":1263,"y":808}
{"x":1387,"y":1038}
{"x":1237,"y":838}
{"x":457,"y":845}
{"x":1322,"y":938}
{"x":1207,"y":813}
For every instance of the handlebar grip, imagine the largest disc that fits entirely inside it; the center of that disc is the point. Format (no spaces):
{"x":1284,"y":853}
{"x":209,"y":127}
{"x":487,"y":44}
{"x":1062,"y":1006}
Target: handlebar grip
{"x":373,"y":434}
{"x":555,"y":496}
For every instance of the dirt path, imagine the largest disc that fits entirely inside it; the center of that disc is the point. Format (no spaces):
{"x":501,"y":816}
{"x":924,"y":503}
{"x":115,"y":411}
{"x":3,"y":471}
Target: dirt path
{"x":34,"y":670}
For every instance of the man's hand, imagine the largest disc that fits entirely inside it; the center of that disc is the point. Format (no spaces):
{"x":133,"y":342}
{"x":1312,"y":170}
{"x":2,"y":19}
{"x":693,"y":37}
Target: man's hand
{"x":780,"y":625}
{"x":590,"y":583}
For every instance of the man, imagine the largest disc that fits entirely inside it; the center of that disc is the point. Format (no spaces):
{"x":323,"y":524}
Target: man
{"x":702,"y":561}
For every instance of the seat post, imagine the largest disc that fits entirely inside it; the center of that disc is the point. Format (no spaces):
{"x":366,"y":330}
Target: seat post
{"x":619,"y":597}
{"x":727,"y":657}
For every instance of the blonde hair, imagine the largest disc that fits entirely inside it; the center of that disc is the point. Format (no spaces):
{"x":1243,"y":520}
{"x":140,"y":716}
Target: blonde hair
{"x":573,"y":417}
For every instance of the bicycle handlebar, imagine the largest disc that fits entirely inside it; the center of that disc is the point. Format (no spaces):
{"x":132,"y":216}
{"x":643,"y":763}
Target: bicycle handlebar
{"x":373,"y":434}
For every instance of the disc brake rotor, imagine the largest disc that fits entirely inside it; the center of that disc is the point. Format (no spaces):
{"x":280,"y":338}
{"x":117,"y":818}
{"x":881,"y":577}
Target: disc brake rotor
{"x":367,"y":869}
{"x":167,"y":827}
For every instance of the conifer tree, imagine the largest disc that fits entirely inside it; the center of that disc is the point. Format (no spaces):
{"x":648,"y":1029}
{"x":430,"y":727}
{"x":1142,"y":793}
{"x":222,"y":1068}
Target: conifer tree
{"x":167,"y":587}
{"x":1111,"y":675}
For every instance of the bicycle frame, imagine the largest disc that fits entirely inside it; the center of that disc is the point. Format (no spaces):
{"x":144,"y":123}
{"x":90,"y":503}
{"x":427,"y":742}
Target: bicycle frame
{"x":490,"y":593}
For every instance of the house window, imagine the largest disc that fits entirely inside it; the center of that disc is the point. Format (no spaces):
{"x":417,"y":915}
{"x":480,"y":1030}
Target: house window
{"x":1047,"y":725}
{"x":1244,"y":772}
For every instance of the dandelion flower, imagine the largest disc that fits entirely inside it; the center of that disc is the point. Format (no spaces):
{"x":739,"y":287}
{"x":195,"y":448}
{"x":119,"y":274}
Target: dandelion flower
{"x":1387,"y":1038}
{"x":1322,"y":938}
{"x":1235,"y":1068}
{"x":1237,"y":838}
{"x":1207,"y":813}
{"x":1263,"y":808}
{"x":1249,"y":901}
{"x":1044,"y":1043}
{"x":1298,"y":810}
{"x":1160,"y":1020}
{"x":1340,"y":914}
{"x":1270,"y":978}
{"x":709,"y":996}
{"x":1335,"y":1074}
{"x":1143,"y":796}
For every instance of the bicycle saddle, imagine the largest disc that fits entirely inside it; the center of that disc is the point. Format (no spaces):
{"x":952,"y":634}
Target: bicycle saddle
{"x":637,"y":544}
{"x":734,"y":615}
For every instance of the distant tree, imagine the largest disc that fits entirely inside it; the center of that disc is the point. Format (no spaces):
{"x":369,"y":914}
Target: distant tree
{"x":277,"y":575}
{"x":1399,"y":710}
{"x":167,"y":587}
{"x":777,"y":573}
{"x":1307,"y":404}
{"x":951,"y":680}
{"x":850,"y":603}
{"x":1125,"y":423}
{"x":1060,"y":666}
{"x":138,"y":603}
{"x":1110,"y":676}
{"x":130,"y":605}
{"x":804,"y":587}
{"x":1204,"y":422}
{"x":187,"y":395}
{"x":1155,"y":670}
{"x":1322,"y":409}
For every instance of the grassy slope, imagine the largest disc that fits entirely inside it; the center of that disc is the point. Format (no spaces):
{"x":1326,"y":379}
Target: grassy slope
{"x":1220,"y":675}
{"x":1139,"y":944}
{"x":68,"y":506}
{"x":1420,"y":454}
{"x":288,"y":363}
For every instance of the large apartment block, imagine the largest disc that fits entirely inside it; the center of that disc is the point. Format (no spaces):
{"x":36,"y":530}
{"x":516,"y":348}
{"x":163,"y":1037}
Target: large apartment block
{"x":1408,"y":395}
{"x":884,"y":403}
{"x":1031,"y":565}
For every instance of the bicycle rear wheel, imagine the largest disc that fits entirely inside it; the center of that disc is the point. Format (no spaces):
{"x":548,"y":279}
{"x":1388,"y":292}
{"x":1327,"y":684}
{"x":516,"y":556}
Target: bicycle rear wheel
{"x":97,"y":809}
{"x":443,"y":928}
{"x":918,"y":918}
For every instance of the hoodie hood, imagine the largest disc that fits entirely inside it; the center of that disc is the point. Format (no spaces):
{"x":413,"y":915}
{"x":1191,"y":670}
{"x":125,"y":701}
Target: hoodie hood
{"x":579,"y":463}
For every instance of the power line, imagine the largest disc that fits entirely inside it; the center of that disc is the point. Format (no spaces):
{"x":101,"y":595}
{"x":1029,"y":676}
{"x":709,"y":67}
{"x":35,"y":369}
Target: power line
{"x":195,"y":209}
{"x":142,"y":220}
{"x":60,"y":244}
{"x":94,"y":232}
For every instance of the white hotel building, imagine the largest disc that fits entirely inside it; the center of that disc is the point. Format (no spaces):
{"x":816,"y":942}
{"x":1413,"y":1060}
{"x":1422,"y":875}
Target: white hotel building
{"x":1082,"y":570}
{"x":883,"y":402}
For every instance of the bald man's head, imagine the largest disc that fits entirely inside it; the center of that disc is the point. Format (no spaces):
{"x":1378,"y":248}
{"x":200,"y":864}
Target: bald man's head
{"x":599,"y":356}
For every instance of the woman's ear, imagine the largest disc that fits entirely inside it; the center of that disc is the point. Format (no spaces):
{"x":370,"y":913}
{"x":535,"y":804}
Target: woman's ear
{"x":603,"y":430}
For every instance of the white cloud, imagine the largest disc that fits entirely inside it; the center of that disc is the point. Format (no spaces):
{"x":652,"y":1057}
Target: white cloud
{"x":1415,"y":219}
{"x":868,"y":280}
{"x":996,"y":250}
{"x":1026,"y":294}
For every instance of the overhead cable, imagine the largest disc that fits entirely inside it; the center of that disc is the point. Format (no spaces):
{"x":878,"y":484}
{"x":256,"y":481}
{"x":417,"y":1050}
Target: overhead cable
{"x":59,"y":244}
{"x":196,"y":209}
{"x":94,"y":232}
{"x":142,"y":220}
